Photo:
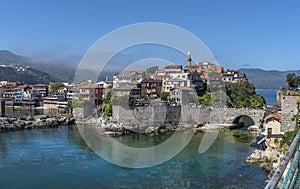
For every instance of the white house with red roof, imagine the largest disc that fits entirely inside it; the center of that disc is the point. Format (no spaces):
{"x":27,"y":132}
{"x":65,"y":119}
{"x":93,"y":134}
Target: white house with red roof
{"x":272,"y":124}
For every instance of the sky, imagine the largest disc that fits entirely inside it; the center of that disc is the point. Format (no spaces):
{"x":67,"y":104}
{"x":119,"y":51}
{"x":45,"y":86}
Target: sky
{"x":240,"y":34}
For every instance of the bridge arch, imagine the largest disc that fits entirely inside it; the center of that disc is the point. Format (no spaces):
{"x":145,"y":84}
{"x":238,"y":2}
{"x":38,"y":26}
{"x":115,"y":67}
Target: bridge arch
{"x":243,"y":120}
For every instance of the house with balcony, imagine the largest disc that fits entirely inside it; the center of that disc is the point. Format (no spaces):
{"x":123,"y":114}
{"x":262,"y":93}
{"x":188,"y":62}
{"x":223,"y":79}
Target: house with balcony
{"x":234,"y":76}
{"x":40,"y":90}
{"x":185,"y":78}
{"x":22,"y":91}
{"x":151,"y":88}
{"x":92,"y":92}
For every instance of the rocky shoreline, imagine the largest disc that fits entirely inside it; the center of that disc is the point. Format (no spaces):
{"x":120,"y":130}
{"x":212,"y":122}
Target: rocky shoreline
{"x":111,"y":127}
{"x":45,"y":121}
{"x":269,"y":159}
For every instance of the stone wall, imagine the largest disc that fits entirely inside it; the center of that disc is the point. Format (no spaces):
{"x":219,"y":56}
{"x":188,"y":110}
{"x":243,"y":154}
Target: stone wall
{"x":156,"y":115}
{"x":84,"y":111}
{"x":288,"y":111}
{"x":194,"y":115}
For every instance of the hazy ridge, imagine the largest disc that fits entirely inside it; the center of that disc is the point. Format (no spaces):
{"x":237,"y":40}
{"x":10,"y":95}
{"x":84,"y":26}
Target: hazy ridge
{"x":43,"y":73}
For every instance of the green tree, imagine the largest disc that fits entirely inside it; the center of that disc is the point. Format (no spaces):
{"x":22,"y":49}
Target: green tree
{"x":152,"y":69}
{"x":107,"y":98}
{"x":292,"y":80}
{"x":70,"y":107}
{"x":163,"y":96}
{"x":205,"y":99}
{"x":242,"y":94}
{"x":107,"y":109}
{"x":55,"y":86}
{"x":131,"y":101}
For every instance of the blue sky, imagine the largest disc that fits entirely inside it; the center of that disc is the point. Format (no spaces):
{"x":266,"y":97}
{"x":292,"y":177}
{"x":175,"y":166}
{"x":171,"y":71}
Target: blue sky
{"x":257,"y":33}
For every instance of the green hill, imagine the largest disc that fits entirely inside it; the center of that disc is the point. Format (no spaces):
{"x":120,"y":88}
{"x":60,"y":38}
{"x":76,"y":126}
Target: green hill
{"x":51,"y":71}
{"x":29,"y":76}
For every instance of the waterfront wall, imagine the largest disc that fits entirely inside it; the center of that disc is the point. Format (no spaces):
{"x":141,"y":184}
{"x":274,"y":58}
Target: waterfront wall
{"x":84,"y":111}
{"x":158,"y":115}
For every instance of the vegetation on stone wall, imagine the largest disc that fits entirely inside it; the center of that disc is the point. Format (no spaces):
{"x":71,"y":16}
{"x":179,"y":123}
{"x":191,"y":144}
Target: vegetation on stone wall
{"x":106,"y":108}
{"x":205,"y":99}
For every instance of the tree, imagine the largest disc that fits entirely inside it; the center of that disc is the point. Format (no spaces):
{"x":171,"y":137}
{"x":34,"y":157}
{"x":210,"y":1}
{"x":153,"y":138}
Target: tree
{"x":70,"y":107}
{"x":55,"y":86}
{"x":242,"y":94}
{"x":163,"y":96}
{"x":205,"y":99}
{"x":107,"y":98}
{"x":107,"y":109}
{"x":152,"y":69}
{"x":292,"y":80}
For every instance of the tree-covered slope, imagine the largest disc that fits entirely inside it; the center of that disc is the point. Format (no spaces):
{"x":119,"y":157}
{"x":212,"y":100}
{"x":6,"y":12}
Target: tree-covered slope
{"x":29,"y":76}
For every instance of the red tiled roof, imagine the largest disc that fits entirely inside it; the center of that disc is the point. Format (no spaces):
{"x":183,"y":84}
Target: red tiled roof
{"x":183,"y":88}
{"x":277,"y":116}
{"x":40,"y":85}
{"x":22,"y":86}
{"x":89,"y":86}
{"x":69,"y":87}
{"x":140,"y":71}
{"x":232,"y":71}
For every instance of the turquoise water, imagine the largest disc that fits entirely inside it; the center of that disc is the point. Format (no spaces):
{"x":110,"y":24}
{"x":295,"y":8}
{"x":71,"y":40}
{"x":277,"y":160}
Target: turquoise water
{"x":59,"y":158}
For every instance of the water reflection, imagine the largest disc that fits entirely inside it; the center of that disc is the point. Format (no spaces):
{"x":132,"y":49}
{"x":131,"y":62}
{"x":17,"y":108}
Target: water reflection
{"x":59,"y":158}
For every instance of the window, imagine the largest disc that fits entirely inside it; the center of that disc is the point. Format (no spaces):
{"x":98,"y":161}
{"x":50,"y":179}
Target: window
{"x":269,"y":131}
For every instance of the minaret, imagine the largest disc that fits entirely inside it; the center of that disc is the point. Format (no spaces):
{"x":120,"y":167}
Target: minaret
{"x":189,"y":59}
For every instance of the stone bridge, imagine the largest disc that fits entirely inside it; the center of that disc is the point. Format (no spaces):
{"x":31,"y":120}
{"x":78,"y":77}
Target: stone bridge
{"x":232,"y":115}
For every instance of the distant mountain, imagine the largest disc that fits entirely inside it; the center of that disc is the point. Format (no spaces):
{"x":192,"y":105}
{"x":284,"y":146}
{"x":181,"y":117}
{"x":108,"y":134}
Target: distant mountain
{"x":42,"y":72}
{"x":7,"y":57}
{"x":56,"y":71}
{"x":271,"y":79}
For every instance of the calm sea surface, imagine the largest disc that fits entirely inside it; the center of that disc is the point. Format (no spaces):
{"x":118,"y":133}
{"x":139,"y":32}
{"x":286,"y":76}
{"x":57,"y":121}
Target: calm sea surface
{"x":270,"y":95}
{"x":59,"y":158}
